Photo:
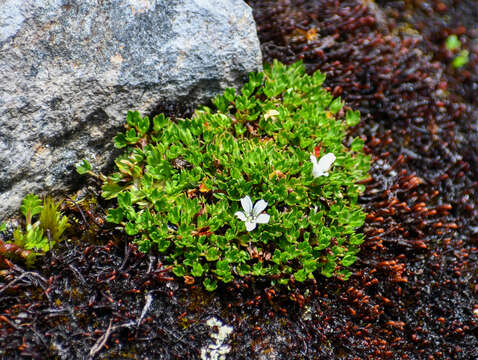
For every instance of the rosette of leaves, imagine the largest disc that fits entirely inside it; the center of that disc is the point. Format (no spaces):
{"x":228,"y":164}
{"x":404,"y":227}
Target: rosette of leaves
{"x":179,"y":183}
{"x":40,"y":235}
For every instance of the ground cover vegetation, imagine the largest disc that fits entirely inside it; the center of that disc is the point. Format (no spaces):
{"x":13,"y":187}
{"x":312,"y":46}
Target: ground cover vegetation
{"x":180,"y":184}
{"x":412,"y":289}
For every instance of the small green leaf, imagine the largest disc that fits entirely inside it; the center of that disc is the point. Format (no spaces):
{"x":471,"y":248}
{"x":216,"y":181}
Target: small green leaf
{"x":131,"y":136}
{"x":212,"y":254}
{"x":229,"y":94}
{"x":179,"y":270}
{"x":83,"y":167}
{"x":222,"y":265}
{"x":124,"y":199}
{"x":131,"y":229}
{"x":310,"y":265}
{"x":220,"y":103}
{"x":357,"y":144}
{"x":34,"y":239}
{"x":348,"y":260}
{"x":243,"y":269}
{"x":258,"y":269}
{"x":31,"y":206}
{"x":304,"y":247}
{"x":163,"y":245}
{"x":356,"y":239}
{"x":143,"y":125}
{"x":283,"y":281}
{"x":120,"y":141}
{"x":144,"y":245}
{"x":452,"y":42}
{"x":3,"y":227}
{"x":115,"y":215}
{"x":318,"y":78}
{"x":329,"y":268}
{"x":352,"y":118}
{"x":111,"y":190}
{"x":133,"y":118}
{"x":336,"y":105}
{"x":197,"y":270}
{"x":300,"y":275}
{"x":210,"y":285}
{"x":159,"y":122}
{"x":232,"y":255}
{"x":51,"y":220}
{"x":462,"y":59}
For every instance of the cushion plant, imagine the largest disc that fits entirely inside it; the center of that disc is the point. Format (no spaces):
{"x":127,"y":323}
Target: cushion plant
{"x":188,"y":186}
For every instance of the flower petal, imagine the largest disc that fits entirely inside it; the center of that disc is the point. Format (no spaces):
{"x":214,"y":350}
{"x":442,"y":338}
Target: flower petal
{"x":250,"y":226}
{"x":262,"y":219}
{"x":270,"y":114}
{"x":241,"y":215}
{"x":246,"y":203}
{"x":313,"y":159}
{"x":316,"y":171}
{"x":259,"y":207}
{"x":326,"y":162}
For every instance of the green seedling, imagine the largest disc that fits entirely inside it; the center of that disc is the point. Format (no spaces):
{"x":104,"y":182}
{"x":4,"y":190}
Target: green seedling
{"x":263,"y":185}
{"x":461,"y":60}
{"x":453,"y":44}
{"x":42,"y":234}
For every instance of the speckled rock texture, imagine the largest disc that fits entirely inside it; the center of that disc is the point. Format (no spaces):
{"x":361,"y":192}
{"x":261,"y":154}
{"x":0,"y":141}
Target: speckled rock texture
{"x":70,"y":71}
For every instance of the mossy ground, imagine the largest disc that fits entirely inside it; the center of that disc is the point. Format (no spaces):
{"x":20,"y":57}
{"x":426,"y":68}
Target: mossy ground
{"x":415,"y":287}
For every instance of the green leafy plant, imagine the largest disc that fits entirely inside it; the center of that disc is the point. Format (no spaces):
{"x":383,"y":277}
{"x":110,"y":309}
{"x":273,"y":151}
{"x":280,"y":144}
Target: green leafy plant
{"x":51,"y":221}
{"x":453,"y":44}
{"x":188,"y":186}
{"x":461,"y":59}
{"x":46,"y":231}
{"x":84,"y":167}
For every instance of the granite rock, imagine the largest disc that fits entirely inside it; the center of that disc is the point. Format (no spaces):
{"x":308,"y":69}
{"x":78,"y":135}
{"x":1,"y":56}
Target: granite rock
{"x":71,"y":69}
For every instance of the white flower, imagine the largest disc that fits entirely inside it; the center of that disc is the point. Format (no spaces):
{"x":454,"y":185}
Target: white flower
{"x":252,"y":215}
{"x":271,"y":114}
{"x":322,"y":167}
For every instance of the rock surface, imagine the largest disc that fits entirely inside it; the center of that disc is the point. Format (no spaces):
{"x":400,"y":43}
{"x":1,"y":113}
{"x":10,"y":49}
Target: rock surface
{"x":70,"y":71}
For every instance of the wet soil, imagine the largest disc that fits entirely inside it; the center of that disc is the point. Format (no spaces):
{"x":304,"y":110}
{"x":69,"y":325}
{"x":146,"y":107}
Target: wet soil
{"x":414,"y":292}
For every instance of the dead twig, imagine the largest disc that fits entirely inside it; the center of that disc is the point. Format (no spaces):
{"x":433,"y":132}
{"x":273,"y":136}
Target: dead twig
{"x":77,"y":273}
{"x":126,"y":254}
{"x":104,"y":338}
{"x":12,"y":324}
{"x":25,"y":274}
{"x":147,"y":305}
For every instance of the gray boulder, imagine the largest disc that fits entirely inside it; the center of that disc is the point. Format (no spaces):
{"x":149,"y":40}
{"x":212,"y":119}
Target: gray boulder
{"x":70,"y":71}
